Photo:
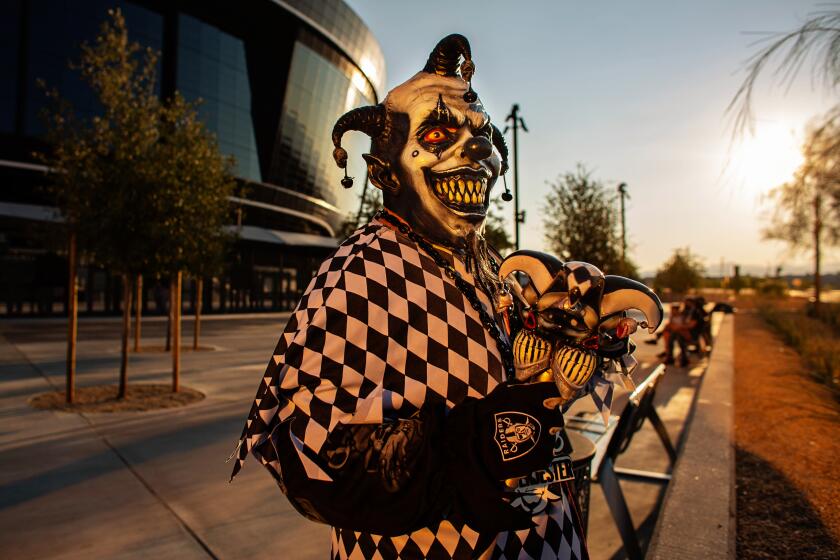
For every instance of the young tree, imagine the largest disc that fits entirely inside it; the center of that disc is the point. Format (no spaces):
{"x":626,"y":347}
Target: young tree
{"x":581,"y":221}
{"x":101,"y":163}
{"x":193,"y":185}
{"x":807,"y":208}
{"x":147,"y":189}
{"x":138,"y":309}
{"x":682,"y":272}
{"x":72,"y":159}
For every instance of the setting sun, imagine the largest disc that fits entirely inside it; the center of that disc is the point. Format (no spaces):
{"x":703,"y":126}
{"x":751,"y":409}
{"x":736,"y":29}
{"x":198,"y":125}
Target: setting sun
{"x":767,"y":158}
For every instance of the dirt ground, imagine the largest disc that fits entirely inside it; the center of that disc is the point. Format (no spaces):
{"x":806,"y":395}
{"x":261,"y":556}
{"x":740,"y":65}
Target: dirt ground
{"x":787,"y":431}
{"x":103,"y":398}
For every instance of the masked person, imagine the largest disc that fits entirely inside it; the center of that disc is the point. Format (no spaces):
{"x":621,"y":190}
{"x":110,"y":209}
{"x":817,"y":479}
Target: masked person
{"x":386,"y":410}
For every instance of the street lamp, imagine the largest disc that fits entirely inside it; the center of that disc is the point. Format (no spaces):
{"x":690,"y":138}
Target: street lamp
{"x":516,"y":121}
{"x":622,"y":193}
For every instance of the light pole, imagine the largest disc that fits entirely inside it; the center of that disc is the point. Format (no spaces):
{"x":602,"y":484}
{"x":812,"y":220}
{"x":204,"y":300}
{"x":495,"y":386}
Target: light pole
{"x":516,"y":121}
{"x":622,"y":193}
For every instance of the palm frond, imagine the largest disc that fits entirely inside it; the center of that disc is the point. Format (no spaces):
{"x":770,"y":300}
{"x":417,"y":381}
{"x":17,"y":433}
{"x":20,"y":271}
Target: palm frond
{"x":819,"y":37}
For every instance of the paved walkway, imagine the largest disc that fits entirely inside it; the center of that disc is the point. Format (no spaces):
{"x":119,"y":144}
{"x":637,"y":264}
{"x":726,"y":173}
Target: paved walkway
{"x":133,"y":485}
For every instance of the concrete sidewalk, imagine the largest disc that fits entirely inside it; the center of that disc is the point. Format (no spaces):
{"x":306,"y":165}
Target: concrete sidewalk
{"x":131,"y":485}
{"x":137,"y":485}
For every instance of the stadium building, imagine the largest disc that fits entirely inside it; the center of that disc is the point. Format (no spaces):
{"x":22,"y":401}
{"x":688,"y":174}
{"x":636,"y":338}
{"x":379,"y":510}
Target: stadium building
{"x":273,"y":76}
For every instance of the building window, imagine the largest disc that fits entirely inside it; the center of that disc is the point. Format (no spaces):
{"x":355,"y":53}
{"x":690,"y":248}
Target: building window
{"x":56,"y":31}
{"x":212,"y":67}
{"x":10,"y":19}
{"x":322,"y":86}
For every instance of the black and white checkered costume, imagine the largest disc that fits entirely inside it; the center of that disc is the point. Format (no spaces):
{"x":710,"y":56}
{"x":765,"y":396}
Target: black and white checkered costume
{"x":380,"y":333}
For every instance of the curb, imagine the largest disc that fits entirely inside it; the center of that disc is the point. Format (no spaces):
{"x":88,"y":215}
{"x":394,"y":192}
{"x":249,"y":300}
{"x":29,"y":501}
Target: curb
{"x":697,"y":519}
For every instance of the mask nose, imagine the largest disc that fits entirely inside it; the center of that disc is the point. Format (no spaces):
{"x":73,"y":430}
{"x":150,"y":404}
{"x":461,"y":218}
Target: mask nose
{"x":478,"y":148}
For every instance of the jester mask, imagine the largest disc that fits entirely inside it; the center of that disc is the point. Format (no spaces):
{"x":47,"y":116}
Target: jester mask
{"x":576,"y":321}
{"x":435,"y":155}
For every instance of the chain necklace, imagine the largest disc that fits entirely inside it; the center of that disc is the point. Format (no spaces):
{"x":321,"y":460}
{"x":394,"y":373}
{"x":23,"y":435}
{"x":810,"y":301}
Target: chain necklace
{"x":467,"y":289}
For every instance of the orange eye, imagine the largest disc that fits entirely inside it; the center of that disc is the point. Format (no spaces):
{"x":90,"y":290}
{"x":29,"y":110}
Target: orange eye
{"x":438,"y":135}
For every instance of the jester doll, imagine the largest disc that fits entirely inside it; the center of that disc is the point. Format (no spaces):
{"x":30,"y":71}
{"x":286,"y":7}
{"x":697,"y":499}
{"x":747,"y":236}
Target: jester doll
{"x":415,"y":399}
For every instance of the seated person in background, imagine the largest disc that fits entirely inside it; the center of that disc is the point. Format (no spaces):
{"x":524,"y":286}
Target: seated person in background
{"x":699,"y":338}
{"x":677,"y":331}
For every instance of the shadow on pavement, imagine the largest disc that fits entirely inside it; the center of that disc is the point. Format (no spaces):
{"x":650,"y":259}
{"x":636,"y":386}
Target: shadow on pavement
{"x":90,"y":466}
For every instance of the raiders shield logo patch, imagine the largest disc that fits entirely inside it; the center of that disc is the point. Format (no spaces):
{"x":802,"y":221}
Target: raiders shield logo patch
{"x":516,"y":434}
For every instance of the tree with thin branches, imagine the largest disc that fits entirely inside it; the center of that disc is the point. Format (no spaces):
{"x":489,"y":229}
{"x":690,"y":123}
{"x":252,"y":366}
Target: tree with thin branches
{"x":194,"y":185}
{"x":680,"y":273}
{"x":101,"y":169}
{"x":141,"y":184}
{"x":581,"y":221}
{"x":807,"y":208}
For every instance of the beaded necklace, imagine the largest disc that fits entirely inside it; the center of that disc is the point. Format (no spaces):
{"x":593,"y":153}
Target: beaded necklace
{"x":463,"y":286}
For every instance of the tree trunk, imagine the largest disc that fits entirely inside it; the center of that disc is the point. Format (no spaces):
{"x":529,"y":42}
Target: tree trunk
{"x":817,"y":235}
{"x":72,"y":317}
{"x":169,"y":320}
{"x":126,"y":328}
{"x":175,"y":304}
{"x":138,"y":311}
{"x":199,"y":288}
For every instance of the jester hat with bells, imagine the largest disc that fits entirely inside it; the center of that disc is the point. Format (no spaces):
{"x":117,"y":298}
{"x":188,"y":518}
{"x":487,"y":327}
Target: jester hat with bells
{"x":435,"y":155}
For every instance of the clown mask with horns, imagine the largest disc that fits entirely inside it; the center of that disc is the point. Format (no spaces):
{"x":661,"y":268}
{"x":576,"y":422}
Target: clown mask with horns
{"x":435,"y":155}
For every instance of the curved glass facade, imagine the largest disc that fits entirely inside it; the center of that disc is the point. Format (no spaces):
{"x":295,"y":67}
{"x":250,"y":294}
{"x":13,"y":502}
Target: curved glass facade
{"x":53,"y":34}
{"x":340,"y":24}
{"x":272,"y":77}
{"x":321,"y":87}
{"x":9,"y":64}
{"x":212,"y":67}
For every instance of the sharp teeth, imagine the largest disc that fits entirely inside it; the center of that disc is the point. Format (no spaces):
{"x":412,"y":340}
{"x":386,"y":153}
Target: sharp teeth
{"x":462,"y":191}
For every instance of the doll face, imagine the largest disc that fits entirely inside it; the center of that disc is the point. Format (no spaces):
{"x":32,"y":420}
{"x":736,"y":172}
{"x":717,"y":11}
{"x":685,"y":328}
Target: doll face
{"x":447,"y":166}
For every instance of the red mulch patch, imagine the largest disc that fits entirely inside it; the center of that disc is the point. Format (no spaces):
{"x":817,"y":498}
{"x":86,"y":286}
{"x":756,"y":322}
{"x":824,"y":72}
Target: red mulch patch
{"x":103,"y":398}
{"x":787,"y":432}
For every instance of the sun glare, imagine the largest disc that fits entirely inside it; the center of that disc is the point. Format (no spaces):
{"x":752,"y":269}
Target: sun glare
{"x":768,"y":158}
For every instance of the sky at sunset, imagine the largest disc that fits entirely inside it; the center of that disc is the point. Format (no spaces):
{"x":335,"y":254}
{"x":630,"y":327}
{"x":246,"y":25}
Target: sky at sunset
{"x":637,"y":91}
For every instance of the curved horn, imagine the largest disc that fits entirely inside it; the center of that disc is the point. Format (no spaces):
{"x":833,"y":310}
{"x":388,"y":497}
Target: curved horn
{"x":445,"y":58}
{"x":370,"y":120}
{"x":621,"y":293}
{"x":501,"y":145}
{"x":541,"y":268}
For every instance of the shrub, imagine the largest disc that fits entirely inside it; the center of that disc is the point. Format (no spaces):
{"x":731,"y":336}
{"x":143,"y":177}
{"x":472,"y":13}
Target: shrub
{"x":829,"y":313}
{"x":771,"y":287}
{"x":815,"y":341}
